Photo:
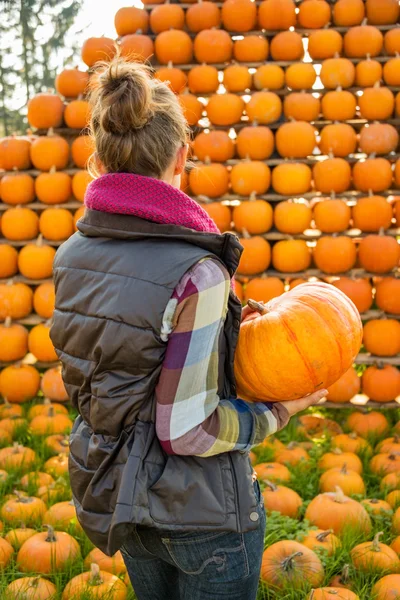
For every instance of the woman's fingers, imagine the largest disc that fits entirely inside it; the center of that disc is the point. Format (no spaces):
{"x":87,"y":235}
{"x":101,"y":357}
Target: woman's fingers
{"x":295,"y":406}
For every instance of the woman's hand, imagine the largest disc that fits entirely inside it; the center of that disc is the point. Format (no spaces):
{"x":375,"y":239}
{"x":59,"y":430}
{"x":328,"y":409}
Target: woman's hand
{"x":295,"y":406}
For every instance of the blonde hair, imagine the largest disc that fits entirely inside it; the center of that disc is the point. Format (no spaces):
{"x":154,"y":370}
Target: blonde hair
{"x":137,"y":121}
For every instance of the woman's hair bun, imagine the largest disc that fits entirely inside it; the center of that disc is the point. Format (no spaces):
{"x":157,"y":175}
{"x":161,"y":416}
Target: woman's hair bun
{"x":125,"y":94}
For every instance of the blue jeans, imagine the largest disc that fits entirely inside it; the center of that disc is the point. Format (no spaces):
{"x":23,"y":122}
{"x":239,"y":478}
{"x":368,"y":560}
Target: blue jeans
{"x":195,"y":566}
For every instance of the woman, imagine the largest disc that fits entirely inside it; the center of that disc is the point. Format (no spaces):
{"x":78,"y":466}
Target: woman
{"x":145,"y":325}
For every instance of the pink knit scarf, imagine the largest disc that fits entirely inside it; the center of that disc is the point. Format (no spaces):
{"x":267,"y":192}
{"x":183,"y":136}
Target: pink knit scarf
{"x":147,"y":198}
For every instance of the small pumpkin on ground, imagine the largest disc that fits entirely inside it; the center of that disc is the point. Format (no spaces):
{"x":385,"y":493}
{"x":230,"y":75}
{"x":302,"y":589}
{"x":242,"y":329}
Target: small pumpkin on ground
{"x":47,"y":552}
{"x":321,"y":539}
{"x":281,"y":499}
{"x":289,"y":563}
{"x":375,"y":557}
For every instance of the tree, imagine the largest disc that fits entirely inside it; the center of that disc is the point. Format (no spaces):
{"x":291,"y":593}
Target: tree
{"x":36,"y":32}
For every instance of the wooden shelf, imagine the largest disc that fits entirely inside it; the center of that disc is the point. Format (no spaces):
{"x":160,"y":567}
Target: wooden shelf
{"x":358,"y":273}
{"x":70,"y":205}
{"x":310,"y":160}
{"x":356,"y":123}
{"x":22,"y":243}
{"x":368,"y":359}
{"x":275,"y":236}
{"x":273,"y":197}
{"x":362,"y":407}
{"x":21,"y":279}
{"x":36,"y":172}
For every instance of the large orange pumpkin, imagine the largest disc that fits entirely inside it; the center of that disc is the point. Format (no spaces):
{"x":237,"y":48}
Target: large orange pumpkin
{"x":250,"y":176}
{"x":291,"y":179}
{"x":54,"y":187}
{"x":347,"y":13}
{"x":372,"y":213}
{"x":237,"y":78}
{"x":292,"y":217}
{"x":387,"y":295}
{"x":254,"y":216}
{"x":362,"y":41}
{"x":269,"y":77}
{"x":339,"y":105}
{"x":203,"y":15}
{"x":72,"y":83}
{"x":382,"y":12}
{"x":339,"y":139}
{"x":212,"y":46}
{"x":287,"y":46}
{"x":45,"y":110}
{"x":382,"y":337}
{"x":255,"y":142}
{"x":301,"y":106}
{"x":295,"y":140}
{"x":225,"y":109}
{"x":209,"y":180}
{"x":372,"y":174}
{"x":130,"y":19}
{"x":50,"y":151}
{"x":381,"y":384}
{"x":314,"y":14}
{"x":332,"y":175}
{"x":379,"y":253}
{"x":290,"y":563}
{"x":345,"y":388}
{"x":17,"y":188}
{"x":203,"y":79}
{"x":324,"y":43}
{"x":264,"y":107}
{"x":264,"y":344}
{"x":213,"y":146}
{"x":15,"y":153}
{"x":98,"y":49}
{"x":338,"y":512}
{"x":167,"y":16}
{"x":256,"y":256}
{"x":332,"y":215}
{"x":239,"y":15}
{"x":252,"y":48}
{"x":368,"y":73}
{"x":277,"y":14}
{"x":376,"y":103}
{"x":337,"y":72}
{"x":358,"y":290}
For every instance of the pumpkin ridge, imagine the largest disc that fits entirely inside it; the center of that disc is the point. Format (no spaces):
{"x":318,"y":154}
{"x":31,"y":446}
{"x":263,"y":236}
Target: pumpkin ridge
{"x":304,"y":358}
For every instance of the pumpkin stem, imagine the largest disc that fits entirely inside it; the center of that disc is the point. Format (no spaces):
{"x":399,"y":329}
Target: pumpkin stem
{"x":257,"y":307}
{"x":7,"y":404}
{"x":343,"y":470}
{"x":50,"y":131}
{"x":95,"y":578}
{"x":321,"y":537}
{"x":246,"y":234}
{"x":345,"y":576}
{"x":252,"y":197}
{"x":292,"y":445}
{"x":287,"y":564}
{"x":337,"y":451}
{"x":339,"y":495}
{"x":16,"y":448}
{"x":39,"y":241}
{"x":50,"y":534}
{"x":34,"y":582}
{"x":51,"y":412}
{"x":53,"y":170}
{"x":312,"y":594}
{"x":7,"y":322}
{"x":353,"y":435}
{"x":271,"y":485}
{"x":47,"y":402}
{"x":375,"y":543}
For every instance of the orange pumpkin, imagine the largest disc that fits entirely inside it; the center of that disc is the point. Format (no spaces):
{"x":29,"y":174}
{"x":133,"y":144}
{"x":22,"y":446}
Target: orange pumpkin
{"x":332,"y":215}
{"x":130,"y":19}
{"x":57,"y":466}
{"x":358,"y":290}
{"x":255,"y":142}
{"x":50,"y":424}
{"x":264,"y":107}
{"x":203,"y":79}
{"x":319,"y":539}
{"x":57,"y":444}
{"x":336,"y":511}
{"x":44,"y":300}
{"x":301,"y":106}
{"x":292,"y":217}
{"x":277,"y":14}
{"x":13,"y":341}
{"x":16,"y":537}
{"x":45,"y":110}
{"x":369,"y":424}
{"x":56,"y":224}
{"x":387,"y":295}
{"x":15,"y":153}
{"x":97,"y":582}
{"x":376,"y":103}
{"x":250,"y":176}
{"x":220,"y":214}
{"x":345,"y":388}
{"x":263,"y":289}
{"x":35,"y":261}
{"x":252,"y":48}
{"x":203,"y":15}
{"x":256,"y":373}
{"x":239,"y":293}
{"x":175,"y":78}
{"x":372,"y":213}
{"x":332,"y":175}
{"x":392,"y":41}
{"x":77,"y":114}
{"x":225,"y":109}
{"x":256,"y":256}
{"x":291,"y":256}
{"x":72,"y":83}
{"x":281,"y":499}
{"x":237,"y":78}
{"x":80,"y":181}
{"x":212,"y":46}
{"x":137,"y":47}
{"x":19,"y":383}
{"x":17,"y":188}
{"x":239,"y":15}
{"x":387,"y":588}
{"x":40,"y":344}
{"x":338,"y":139}
{"x":53,"y":187}
{"x":20,"y":224}
{"x":289,"y":563}
{"x":351,"y":442}
{"x":379,"y":253}
{"x":49,"y":151}
{"x":382,"y":12}
{"x":8,"y":261}
{"x":213,"y":146}
{"x":97,"y":49}
{"x":337,"y":459}
{"x":363,"y":40}
{"x":48,"y":552}
{"x":377,"y":507}
{"x":347,"y":13}
{"x":378,"y":138}
{"x":296,"y":139}
{"x":349,"y":481}
{"x":15,"y":300}
{"x":324,"y":43}
{"x":372,"y":174}
{"x":339,"y":105}
{"x":209,"y":180}
{"x":337,"y":72}
{"x":61,"y":516}
{"x":287,"y":46}
{"x":81,"y":150}
{"x":272,"y":472}
{"x":17,"y":457}
{"x":293,"y":454}
{"x":269,"y":77}
{"x":27,"y":509}
{"x":255,"y":216}
{"x":335,"y":254}
{"x":167,"y":16}
{"x":374,"y":556}
{"x":111,"y":564}
{"x":314,"y":14}
{"x":368,"y":73}
{"x":381,"y":384}
{"x":291,"y":179}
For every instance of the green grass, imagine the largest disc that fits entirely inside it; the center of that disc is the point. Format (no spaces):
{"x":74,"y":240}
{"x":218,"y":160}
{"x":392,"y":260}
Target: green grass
{"x":304,"y":480}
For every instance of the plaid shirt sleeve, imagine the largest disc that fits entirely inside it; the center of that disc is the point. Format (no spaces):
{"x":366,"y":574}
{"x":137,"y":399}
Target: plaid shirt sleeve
{"x":191,"y":419}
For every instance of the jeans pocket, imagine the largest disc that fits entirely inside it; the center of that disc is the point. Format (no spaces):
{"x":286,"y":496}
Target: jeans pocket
{"x":215,"y":557}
